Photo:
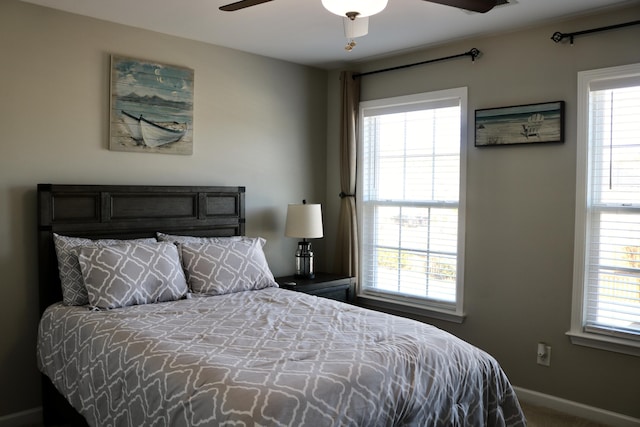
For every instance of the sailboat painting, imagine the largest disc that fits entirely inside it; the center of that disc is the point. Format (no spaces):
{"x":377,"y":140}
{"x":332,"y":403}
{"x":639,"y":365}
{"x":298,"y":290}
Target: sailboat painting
{"x":522,"y":124}
{"x":151,"y":107}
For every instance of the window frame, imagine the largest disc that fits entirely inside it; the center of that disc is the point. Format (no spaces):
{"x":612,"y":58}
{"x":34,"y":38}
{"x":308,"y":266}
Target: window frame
{"x":450,"y":312}
{"x":579,"y":332}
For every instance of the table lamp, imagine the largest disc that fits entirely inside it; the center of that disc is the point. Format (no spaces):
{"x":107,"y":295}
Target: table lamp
{"x":304,"y":221}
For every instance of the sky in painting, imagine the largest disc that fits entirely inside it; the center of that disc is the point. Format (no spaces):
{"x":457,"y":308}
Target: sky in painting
{"x":145,"y":78}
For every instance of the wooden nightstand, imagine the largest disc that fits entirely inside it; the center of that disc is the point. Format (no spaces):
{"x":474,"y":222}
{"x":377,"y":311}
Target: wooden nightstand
{"x":333,"y":286}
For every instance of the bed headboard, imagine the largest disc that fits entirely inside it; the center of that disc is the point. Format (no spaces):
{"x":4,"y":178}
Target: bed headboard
{"x":126,"y":212}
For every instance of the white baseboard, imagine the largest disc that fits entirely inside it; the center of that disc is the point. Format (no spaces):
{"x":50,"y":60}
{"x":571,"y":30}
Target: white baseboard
{"x":574,"y":408}
{"x":29,"y":417}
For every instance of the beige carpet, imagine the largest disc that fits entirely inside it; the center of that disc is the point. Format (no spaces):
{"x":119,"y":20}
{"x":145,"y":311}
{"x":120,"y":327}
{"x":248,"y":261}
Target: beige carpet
{"x":543,"y":417}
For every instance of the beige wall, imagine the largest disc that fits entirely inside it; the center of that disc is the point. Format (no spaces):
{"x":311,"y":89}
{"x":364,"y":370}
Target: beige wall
{"x":258,"y":122}
{"x":520,"y":203}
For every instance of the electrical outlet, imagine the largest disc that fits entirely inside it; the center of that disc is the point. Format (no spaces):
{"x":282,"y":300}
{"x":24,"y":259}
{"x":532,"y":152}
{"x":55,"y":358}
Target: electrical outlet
{"x":544,"y":354}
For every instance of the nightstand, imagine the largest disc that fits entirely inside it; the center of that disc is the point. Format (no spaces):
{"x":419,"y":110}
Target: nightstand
{"x":333,"y":286}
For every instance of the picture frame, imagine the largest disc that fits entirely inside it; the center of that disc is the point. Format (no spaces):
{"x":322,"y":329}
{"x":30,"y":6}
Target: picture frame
{"x":151,"y":107}
{"x":521,"y":124}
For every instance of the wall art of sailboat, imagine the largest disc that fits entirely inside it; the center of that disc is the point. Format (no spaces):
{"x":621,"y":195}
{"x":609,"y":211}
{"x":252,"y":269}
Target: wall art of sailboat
{"x":153,"y":134}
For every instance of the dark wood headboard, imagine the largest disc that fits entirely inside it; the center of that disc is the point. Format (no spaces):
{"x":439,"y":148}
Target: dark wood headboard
{"x":126,"y":212}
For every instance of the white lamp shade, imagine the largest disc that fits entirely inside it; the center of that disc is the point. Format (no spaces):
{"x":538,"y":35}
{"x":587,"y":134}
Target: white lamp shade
{"x":363,"y":7}
{"x":304,"y":221}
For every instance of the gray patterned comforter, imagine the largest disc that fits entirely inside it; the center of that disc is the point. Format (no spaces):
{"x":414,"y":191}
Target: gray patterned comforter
{"x":268,"y":358}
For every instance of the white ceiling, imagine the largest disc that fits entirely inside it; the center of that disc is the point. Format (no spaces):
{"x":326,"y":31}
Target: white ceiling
{"x":302,"y":31}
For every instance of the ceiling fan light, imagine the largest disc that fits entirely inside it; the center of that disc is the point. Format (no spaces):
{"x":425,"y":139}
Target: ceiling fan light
{"x":354,"y":28}
{"x":362,"y":7}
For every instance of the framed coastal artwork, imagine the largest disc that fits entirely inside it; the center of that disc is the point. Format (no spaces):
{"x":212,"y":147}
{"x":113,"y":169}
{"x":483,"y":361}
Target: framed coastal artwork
{"x":521,"y":124}
{"x":151,"y":107}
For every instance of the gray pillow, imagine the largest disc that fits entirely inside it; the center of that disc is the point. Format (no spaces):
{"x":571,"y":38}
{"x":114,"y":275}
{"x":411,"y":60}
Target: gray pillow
{"x":234,"y":266}
{"x":122,"y":275}
{"x":73,"y":290}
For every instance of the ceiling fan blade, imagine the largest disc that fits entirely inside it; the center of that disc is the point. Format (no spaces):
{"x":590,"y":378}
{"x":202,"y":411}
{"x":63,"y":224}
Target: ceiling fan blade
{"x":481,"y":6}
{"x":241,"y":5}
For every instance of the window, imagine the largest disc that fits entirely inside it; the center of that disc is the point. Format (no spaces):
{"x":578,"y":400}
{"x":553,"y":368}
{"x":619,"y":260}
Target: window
{"x":606,"y":306}
{"x":411,"y":184}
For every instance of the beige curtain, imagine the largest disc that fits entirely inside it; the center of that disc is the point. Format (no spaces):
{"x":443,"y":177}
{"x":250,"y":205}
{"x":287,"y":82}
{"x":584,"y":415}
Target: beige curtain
{"x":347,"y":239}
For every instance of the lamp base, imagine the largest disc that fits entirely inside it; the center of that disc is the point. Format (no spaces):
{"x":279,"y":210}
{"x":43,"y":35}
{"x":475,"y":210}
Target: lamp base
{"x":304,"y":260}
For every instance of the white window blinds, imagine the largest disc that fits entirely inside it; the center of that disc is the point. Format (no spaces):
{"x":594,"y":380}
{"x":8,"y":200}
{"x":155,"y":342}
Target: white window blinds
{"x":606,"y":286}
{"x":612,"y":270}
{"x":409,"y":200}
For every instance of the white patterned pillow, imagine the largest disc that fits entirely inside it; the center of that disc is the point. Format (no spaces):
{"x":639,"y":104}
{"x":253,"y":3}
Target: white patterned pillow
{"x":235,"y":266}
{"x":73,"y":290}
{"x":122,"y":275}
{"x":174,"y":238}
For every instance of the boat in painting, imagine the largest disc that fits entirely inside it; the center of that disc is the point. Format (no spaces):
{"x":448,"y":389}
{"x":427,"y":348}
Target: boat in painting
{"x":532,"y":127}
{"x":153,"y":134}
{"x":133,"y":124}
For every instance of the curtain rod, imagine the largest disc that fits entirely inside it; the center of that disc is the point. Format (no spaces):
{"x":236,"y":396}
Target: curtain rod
{"x":558,"y":36}
{"x":473,"y":53}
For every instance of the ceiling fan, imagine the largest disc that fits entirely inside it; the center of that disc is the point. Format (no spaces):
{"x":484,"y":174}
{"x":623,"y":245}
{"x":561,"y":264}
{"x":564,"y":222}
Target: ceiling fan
{"x":480,"y":6}
{"x":362,"y":9}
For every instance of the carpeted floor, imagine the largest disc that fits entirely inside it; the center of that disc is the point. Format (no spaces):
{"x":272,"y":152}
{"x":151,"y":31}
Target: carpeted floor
{"x":543,"y":417}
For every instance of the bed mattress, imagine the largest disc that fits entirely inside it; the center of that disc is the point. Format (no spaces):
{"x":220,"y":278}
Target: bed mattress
{"x":269,"y":357}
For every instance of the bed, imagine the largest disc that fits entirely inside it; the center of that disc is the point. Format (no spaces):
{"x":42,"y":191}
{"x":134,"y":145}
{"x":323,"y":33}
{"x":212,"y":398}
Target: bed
{"x":247,"y":354}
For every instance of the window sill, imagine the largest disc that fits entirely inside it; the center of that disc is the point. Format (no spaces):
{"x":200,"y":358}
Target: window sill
{"x":603,"y":342}
{"x":404,"y":309}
